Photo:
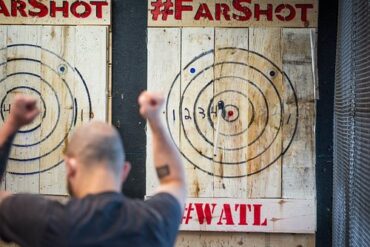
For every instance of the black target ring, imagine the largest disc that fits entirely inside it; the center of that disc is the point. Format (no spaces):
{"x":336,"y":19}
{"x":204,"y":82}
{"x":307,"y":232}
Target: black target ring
{"x":61,"y":73}
{"x":286,"y":86}
{"x":237,"y":110}
{"x":212,"y":105}
{"x":54,"y":126}
{"x":234,"y":109}
{"x":56,"y":123}
{"x":211,"y":157}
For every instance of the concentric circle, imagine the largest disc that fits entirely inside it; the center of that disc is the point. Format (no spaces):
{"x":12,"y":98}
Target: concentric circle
{"x":256,"y":125}
{"x":63,"y":98}
{"x":27,"y":142}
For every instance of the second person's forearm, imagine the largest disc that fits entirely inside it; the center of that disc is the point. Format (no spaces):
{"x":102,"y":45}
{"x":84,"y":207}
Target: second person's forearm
{"x":167,"y":159}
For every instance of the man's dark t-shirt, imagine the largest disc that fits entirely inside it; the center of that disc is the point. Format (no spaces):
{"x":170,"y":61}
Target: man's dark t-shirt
{"x":107,"y":219}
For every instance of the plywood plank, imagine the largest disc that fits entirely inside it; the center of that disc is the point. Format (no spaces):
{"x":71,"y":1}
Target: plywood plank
{"x":229,"y":13}
{"x":92,"y":43}
{"x":209,"y":239}
{"x":233,"y":92}
{"x":29,"y":84}
{"x":71,"y":12}
{"x":299,"y":160}
{"x":267,"y":182}
{"x":3,"y":35}
{"x":195,"y":42}
{"x":61,"y":41}
{"x":110,"y":74}
{"x":164,"y":47}
{"x":76,"y":45}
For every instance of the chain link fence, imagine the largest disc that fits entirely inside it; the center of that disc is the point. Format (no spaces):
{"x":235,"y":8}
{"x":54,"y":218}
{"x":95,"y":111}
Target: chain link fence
{"x":351,"y":205}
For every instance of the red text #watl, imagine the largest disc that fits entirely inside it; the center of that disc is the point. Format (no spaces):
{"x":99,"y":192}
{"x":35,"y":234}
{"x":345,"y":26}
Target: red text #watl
{"x":205,"y":214}
{"x":40,"y":9}
{"x":239,"y":10}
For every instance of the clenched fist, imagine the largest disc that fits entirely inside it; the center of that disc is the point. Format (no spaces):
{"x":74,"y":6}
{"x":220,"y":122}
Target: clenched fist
{"x":23,"y":111}
{"x":151,"y":105}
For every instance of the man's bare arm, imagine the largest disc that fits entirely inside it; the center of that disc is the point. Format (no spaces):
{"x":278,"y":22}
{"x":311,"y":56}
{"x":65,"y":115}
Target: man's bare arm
{"x":7,"y":133}
{"x":167,"y":159}
{"x":23,"y":111}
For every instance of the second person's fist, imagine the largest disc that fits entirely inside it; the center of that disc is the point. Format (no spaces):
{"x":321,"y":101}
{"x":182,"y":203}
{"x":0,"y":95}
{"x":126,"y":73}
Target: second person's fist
{"x":23,"y":111}
{"x":151,"y":104}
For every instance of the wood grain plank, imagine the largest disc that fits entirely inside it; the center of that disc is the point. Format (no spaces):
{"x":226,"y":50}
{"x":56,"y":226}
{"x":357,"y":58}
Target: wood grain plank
{"x":229,"y":90}
{"x":110,"y":75}
{"x":211,"y":239}
{"x":299,"y":160}
{"x":91,"y":60}
{"x":267,"y":183}
{"x":24,"y":35}
{"x":196,"y":41}
{"x":75,"y":46}
{"x":3,"y":35}
{"x":59,"y":40}
{"x":164,"y":47}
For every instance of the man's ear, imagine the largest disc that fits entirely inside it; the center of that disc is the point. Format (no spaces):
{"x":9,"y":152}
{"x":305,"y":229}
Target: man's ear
{"x":125,"y":171}
{"x":71,"y":165}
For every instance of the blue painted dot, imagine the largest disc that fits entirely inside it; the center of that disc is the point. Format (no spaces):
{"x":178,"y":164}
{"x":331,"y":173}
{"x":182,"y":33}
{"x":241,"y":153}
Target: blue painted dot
{"x":192,"y":70}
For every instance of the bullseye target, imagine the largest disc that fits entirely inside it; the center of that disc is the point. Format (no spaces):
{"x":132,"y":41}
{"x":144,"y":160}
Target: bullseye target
{"x":256,"y":124}
{"x":55,"y":83}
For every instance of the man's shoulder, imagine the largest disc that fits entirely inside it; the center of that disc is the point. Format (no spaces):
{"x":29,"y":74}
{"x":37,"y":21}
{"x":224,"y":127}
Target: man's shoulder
{"x":27,"y":201}
{"x":166,"y":210}
{"x":32,"y":208}
{"x":111,"y":203}
{"x":26,"y":219}
{"x":163,"y":199}
{"x":105,"y":199}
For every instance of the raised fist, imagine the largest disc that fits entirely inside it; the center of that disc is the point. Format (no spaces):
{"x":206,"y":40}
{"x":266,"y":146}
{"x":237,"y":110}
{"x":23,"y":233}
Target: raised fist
{"x":23,"y":111}
{"x":151,"y":105}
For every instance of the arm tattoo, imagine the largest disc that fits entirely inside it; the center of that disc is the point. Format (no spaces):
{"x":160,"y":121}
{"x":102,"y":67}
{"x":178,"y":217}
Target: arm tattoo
{"x":163,"y":171}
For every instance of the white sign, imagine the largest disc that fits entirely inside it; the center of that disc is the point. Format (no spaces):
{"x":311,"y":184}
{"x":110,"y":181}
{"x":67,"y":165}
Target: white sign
{"x":239,"y":215}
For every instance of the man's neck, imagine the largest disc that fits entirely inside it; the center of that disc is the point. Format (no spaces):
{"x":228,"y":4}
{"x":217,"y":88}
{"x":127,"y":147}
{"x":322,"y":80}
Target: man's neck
{"x":98,"y":182}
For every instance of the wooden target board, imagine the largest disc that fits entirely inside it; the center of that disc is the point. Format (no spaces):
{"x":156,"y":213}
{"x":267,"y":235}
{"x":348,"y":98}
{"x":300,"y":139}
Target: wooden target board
{"x":250,"y":162}
{"x":66,"y":69}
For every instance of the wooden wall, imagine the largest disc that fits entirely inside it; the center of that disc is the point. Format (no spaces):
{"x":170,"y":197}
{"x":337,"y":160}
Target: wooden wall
{"x":64,"y":61}
{"x":292,"y":174}
{"x":65,"y":68}
{"x":130,"y":54}
{"x":232,"y":239}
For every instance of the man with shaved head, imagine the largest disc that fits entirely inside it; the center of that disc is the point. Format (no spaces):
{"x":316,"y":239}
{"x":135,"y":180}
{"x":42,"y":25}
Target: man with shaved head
{"x":97,"y":214}
{"x":98,"y":148}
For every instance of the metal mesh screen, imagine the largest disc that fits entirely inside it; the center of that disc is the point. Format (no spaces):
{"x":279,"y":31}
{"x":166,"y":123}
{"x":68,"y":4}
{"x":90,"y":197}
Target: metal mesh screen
{"x":351,"y":213}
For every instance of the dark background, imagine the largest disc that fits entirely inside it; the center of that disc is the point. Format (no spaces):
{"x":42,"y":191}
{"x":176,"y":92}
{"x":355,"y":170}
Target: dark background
{"x":328,"y":12}
{"x":130,"y":77}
